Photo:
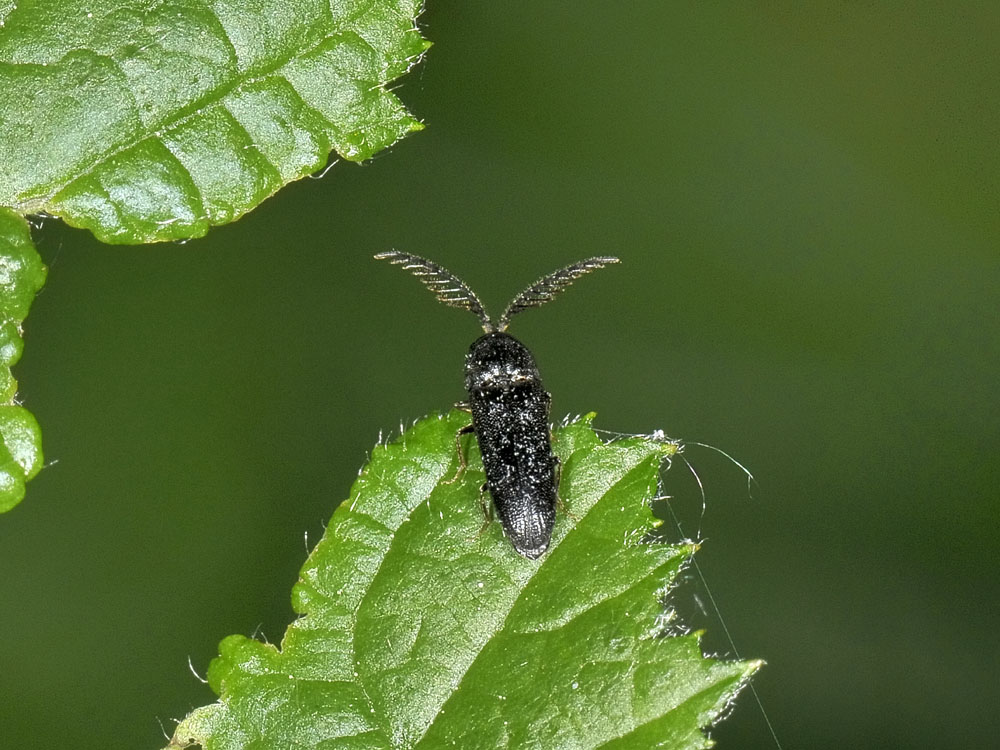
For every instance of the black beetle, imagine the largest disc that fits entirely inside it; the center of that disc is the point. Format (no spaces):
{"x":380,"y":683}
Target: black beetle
{"x":510,"y":408}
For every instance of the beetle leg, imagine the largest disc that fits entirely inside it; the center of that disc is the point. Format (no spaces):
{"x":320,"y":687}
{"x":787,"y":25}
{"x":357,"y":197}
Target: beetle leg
{"x":462,"y":463}
{"x":463,"y":406}
{"x":486,"y":507}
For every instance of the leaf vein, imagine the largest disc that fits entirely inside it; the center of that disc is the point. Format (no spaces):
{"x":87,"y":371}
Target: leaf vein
{"x":195,"y":108}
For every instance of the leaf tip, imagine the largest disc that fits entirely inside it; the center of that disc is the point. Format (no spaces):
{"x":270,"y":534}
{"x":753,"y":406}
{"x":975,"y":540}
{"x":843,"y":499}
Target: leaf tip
{"x":667,"y":447}
{"x":753,"y":665}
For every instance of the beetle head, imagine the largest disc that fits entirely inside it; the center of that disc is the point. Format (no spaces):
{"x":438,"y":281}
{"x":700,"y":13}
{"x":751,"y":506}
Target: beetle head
{"x":498,"y":361}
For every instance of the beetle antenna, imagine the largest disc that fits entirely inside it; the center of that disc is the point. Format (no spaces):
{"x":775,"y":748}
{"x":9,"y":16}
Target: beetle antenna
{"x":445,"y":285}
{"x":549,"y":286}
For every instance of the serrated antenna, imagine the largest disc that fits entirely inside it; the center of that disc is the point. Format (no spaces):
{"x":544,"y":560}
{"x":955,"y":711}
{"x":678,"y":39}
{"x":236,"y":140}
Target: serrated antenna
{"x":445,"y":285}
{"x":547,"y":287}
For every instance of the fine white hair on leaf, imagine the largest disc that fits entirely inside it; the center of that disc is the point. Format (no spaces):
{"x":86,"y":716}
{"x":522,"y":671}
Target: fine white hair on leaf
{"x":163,"y":729}
{"x":325,"y":169}
{"x":751,"y":480}
{"x":197,"y":676}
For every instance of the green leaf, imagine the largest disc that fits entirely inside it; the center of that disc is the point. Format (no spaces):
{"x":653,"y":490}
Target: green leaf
{"x":21,"y":276}
{"x":145,"y":121}
{"x":418,"y":631}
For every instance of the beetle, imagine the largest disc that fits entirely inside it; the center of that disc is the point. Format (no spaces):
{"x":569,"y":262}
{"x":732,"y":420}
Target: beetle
{"x":509,"y":406}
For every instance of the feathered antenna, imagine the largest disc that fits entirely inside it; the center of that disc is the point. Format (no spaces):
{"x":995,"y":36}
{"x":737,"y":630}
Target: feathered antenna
{"x":447,"y":287}
{"x":549,"y":286}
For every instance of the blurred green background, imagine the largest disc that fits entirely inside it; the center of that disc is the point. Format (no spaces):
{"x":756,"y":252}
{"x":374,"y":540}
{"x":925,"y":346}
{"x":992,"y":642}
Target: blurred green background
{"x":806,"y":200}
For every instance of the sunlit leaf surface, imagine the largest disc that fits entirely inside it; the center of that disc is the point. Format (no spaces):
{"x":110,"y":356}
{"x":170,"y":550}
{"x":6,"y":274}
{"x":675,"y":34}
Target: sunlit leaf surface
{"x":146,"y":120}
